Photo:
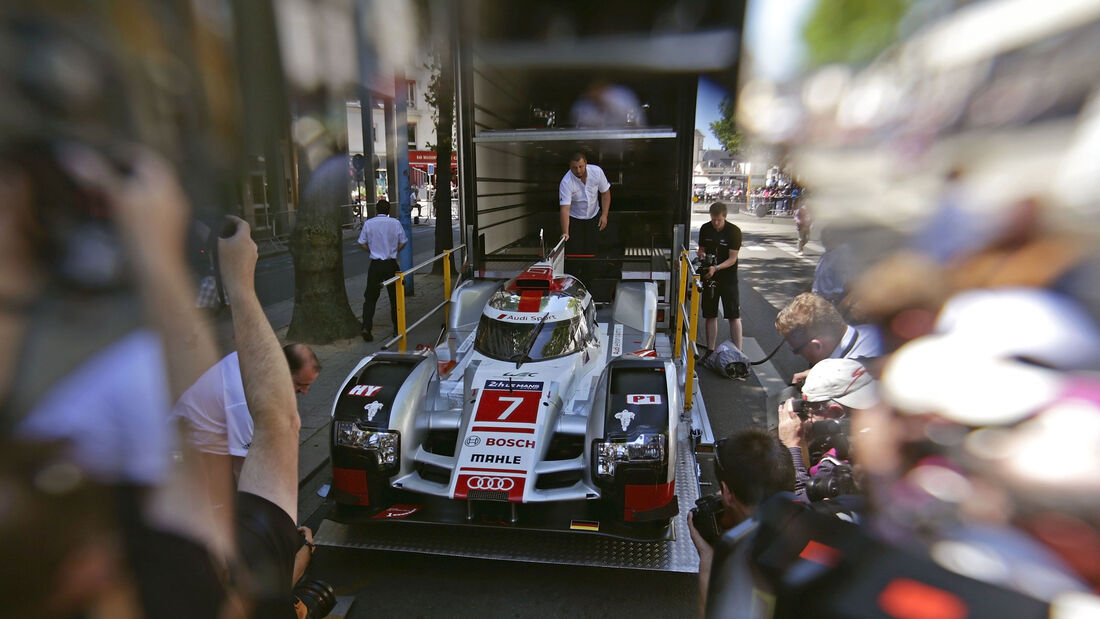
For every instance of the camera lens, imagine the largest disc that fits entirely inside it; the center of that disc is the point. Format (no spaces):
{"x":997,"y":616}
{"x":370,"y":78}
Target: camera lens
{"x":318,"y":597}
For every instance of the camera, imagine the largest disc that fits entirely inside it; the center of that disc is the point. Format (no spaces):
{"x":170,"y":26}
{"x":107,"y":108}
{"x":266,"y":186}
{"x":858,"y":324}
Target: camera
{"x":832,"y":483}
{"x":798,"y":405}
{"x":826,"y":435}
{"x":317,"y":596}
{"x":706,"y":516}
{"x":701,"y":265}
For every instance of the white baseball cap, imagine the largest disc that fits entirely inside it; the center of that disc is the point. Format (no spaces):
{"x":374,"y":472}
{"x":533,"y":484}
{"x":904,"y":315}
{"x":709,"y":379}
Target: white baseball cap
{"x":843,"y":380}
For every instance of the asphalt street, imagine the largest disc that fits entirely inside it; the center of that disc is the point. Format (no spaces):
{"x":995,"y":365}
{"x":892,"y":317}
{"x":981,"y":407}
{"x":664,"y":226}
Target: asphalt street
{"x":408,"y":584}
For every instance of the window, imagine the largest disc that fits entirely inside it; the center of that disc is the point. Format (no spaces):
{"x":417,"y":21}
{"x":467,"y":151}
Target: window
{"x":410,"y":93}
{"x":412,"y":135}
{"x":510,"y":341}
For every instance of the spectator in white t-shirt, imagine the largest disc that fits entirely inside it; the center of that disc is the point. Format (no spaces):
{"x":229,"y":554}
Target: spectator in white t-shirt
{"x":218,"y":422}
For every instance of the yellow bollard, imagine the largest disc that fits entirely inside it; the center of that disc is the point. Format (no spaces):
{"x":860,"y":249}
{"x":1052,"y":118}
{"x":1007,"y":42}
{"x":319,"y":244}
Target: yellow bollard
{"x":447,"y":285}
{"x":679,"y":313}
{"x":692,"y":325}
{"x":402,"y":344}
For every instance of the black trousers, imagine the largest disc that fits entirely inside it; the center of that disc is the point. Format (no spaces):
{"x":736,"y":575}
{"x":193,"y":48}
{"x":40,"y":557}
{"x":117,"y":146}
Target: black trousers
{"x":378,"y":272}
{"x":583,"y":243}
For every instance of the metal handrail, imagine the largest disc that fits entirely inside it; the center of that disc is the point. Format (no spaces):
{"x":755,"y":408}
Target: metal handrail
{"x":686,"y":269}
{"x":414,"y":325}
{"x":446,"y":252}
{"x":399,"y":281}
{"x":559,"y":247}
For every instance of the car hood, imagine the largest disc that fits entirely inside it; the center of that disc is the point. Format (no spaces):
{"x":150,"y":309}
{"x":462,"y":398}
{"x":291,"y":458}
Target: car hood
{"x":515,"y":411}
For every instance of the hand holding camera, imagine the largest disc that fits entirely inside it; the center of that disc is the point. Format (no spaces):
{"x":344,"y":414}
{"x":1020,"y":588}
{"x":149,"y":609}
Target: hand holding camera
{"x":791,"y":416}
{"x":706,"y":266}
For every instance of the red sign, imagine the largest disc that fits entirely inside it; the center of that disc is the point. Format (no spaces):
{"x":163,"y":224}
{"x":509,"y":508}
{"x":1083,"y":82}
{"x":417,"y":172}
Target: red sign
{"x":511,"y":406}
{"x":425,"y":157}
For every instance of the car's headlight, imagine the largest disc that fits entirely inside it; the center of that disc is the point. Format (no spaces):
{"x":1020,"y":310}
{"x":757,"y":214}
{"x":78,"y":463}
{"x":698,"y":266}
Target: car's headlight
{"x":383,"y":443}
{"x":644,"y":448}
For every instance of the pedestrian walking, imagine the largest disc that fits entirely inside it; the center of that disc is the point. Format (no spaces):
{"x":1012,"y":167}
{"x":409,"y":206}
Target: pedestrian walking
{"x":802,"y":222}
{"x":382,"y":237}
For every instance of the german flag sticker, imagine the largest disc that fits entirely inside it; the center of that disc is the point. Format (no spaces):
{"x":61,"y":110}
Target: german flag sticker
{"x":584,"y":525}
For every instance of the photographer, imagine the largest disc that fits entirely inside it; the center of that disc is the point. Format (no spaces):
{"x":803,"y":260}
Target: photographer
{"x":719,"y":244}
{"x":820,"y":423}
{"x":751,"y":466}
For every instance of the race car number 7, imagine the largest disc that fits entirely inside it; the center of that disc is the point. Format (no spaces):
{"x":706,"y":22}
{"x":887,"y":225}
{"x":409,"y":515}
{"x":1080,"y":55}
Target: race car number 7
{"x":513,"y":404}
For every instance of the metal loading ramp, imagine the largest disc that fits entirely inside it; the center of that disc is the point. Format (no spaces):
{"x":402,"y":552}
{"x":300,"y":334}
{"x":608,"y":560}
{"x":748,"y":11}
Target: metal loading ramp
{"x":561,"y":548}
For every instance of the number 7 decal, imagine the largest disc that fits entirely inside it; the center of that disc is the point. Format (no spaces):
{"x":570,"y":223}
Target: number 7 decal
{"x":512,"y":406}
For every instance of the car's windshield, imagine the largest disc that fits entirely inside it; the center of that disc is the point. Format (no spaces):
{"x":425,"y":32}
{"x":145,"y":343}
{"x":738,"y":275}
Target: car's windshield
{"x":503,"y":340}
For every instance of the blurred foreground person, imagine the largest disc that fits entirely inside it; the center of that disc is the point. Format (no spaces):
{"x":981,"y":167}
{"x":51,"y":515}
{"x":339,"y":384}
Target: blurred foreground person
{"x":1007,"y":470}
{"x":163,"y":553}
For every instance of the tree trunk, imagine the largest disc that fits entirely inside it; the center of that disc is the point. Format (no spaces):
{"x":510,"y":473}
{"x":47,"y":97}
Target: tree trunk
{"x":322,"y":313}
{"x":444,"y":238}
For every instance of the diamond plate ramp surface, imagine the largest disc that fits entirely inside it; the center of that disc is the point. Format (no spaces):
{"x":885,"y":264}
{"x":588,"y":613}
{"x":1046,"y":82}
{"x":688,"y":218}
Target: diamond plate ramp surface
{"x":676,"y":555}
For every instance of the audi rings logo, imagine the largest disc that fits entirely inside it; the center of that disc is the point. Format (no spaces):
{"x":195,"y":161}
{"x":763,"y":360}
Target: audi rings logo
{"x":472,"y":441}
{"x":490,"y":483}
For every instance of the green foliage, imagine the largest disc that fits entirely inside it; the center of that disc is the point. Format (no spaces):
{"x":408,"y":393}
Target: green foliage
{"x":725,"y":128}
{"x":851,"y":31}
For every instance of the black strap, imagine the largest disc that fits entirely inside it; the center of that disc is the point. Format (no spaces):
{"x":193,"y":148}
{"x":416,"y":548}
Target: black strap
{"x":770,"y":355}
{"x":851,"y":345}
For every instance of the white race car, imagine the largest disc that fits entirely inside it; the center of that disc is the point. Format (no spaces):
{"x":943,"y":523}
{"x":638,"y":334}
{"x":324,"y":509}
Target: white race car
{"x":538,"y":416}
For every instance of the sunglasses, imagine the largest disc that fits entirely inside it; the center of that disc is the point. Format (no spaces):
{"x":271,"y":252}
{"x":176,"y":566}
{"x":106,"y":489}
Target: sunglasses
{"x":798,"y":349}
{"x":818,"y":409}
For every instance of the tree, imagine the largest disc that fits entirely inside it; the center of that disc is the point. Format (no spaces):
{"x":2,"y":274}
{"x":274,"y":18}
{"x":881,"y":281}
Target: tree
{"x":725,"y":128}
{"x":321,"y":310}
{"x":440,"y":96}
{"x":851,"y":31}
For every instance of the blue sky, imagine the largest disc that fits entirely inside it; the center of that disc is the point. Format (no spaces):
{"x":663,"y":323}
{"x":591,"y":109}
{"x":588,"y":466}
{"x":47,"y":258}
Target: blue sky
{"x":706,"y":109}
{"x":773,"y":45}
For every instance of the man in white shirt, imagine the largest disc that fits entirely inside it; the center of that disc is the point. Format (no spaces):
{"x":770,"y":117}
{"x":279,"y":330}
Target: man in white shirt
{"x":584,"y":198}
{"x":216,"y":414}
{"x":382,"y":237}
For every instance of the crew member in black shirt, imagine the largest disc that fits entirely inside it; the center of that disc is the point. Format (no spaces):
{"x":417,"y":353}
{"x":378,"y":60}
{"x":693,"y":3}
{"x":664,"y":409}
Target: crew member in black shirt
{"x":722,"y":241}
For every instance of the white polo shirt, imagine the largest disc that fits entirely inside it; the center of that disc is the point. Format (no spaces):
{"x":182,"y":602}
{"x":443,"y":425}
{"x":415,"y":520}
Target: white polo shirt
{"x":583,"y":198}
{"x":382,"y":234}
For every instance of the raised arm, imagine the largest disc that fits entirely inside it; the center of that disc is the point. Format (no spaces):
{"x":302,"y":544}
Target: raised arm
{"x":271,"y":468}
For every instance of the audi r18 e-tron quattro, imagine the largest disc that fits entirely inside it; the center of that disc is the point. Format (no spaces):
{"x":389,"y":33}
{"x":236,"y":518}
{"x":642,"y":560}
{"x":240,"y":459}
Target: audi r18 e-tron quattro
{"x":532,"y":414}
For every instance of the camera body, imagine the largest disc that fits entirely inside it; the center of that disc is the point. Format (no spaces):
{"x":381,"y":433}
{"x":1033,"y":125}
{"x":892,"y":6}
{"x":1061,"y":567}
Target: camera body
{"x":828,"y":446}
{"x":836,"y":481}
{"x":798,"y":405}
{"x":706,"y":516}
{"x":701,"y":265}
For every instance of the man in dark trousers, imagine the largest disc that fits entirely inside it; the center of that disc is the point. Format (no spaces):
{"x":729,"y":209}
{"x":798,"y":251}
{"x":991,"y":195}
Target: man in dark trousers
{"x":722,"y":241}
{"x":584,"y":198}
{"x":382,"y":237}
